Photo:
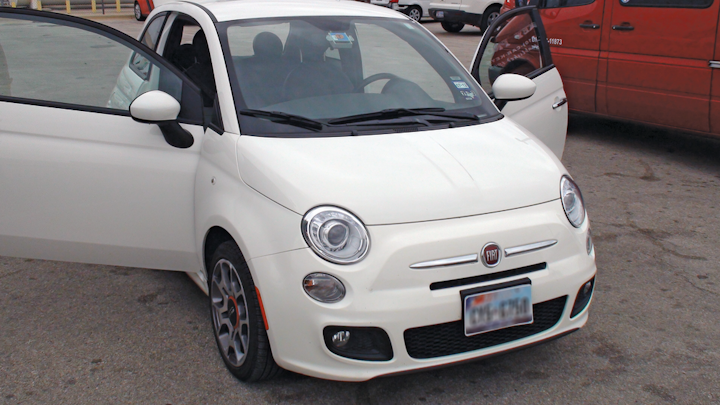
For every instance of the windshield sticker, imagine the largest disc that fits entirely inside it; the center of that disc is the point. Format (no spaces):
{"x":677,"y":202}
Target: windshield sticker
{"x":469,"y":95}
{"x":461,"y":84}
{"x":340,"y":40}
{"x":455,"y":78}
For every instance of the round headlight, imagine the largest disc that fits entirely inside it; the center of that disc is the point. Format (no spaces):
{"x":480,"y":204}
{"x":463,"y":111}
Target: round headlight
{"x":335,"y":235}
{"x":572,"y":201}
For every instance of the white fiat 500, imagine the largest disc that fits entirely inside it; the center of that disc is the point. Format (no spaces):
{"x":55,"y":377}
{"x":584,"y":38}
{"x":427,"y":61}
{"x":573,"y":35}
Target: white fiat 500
{"x":348,"y":217}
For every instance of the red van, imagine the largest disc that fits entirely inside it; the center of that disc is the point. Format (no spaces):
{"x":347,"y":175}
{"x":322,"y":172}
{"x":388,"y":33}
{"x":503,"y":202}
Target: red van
{"x":653,"y":61}
{"x":142,"y":8}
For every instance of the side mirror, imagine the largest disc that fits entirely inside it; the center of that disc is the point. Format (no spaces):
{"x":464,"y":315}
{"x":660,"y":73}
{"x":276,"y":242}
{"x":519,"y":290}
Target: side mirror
{"x":157,"y":107}
{"x":512,"y":87}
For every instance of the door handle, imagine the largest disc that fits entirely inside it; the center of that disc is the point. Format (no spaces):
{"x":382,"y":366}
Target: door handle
{"x":589,"y":24}
{"x":559,"y":104}
{"x":623,"y":27}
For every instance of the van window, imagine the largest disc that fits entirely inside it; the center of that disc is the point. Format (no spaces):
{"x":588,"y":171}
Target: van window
{"x":667,"y":3}
{"x":565,"y":3}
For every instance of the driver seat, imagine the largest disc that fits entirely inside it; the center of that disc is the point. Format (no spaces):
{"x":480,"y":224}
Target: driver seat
{"x":314,"y":76}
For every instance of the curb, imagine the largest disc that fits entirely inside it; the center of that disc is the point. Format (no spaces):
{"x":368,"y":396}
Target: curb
{"x":113,"y":15}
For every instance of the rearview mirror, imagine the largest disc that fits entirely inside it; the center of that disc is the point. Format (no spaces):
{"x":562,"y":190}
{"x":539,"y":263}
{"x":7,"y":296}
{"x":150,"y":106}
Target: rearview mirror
{"x":512,"y":87}
{"x":157,"y":107}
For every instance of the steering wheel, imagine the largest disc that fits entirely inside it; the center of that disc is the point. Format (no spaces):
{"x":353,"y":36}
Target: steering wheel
{"x":372,"y":79}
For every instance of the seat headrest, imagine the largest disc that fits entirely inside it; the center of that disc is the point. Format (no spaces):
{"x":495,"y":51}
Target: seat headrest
{"x":313,"y":45}
{"x":267,"y":45}
{"x":183,"y":57}
{"x":200,"y":45}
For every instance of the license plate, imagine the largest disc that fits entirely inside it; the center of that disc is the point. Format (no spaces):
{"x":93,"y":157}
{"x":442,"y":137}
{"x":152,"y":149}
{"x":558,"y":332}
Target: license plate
{"x":485,"y":311}
{"x":439,"y":14}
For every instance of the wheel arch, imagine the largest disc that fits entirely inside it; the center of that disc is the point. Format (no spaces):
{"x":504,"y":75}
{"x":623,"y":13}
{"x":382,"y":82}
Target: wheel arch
{"x":214,"y":237}
{"x":491,"y":5}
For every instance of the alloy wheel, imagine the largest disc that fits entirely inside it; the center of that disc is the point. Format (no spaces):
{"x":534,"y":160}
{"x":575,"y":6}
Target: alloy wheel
{"x":493,"y":15}
{"x":229,"y":312}
{"x":415,"y":13}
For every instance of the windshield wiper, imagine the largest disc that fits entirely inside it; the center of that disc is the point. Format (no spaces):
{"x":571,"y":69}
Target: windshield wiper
{"x":285,"y":118}
{"x":401,"y":112}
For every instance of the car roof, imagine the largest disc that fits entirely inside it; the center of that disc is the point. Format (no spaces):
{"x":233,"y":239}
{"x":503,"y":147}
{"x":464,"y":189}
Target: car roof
{"x":227,"y":10}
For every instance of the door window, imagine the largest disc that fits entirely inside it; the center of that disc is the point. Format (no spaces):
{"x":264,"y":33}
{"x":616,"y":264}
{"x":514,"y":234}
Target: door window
{"x":152,"y":32}
{"x":512,"y":46}
{"x":187,"y":49}
{"x":61,"y":62}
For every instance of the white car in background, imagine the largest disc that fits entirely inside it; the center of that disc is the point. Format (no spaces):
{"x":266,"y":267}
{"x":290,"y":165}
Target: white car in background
{"x":455,"y":14}
{"x":348,"y":217}
{"x":415,"y":9}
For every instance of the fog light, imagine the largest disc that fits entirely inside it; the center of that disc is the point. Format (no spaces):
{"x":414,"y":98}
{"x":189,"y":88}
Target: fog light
{"x":589,"y":242}
{"x":583,"y":298}
{"x":367,"y":343}
{"x":587,"y":288}
{"x":341,"y":338}
{"x":323,"y":287}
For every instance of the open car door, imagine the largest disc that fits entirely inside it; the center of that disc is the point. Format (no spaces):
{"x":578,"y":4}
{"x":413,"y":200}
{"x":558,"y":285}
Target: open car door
{"x":516,"y":43}
{"x":81,"y":179}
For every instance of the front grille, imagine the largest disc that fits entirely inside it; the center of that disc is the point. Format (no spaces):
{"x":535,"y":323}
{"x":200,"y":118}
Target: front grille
{"x":449,"y":338}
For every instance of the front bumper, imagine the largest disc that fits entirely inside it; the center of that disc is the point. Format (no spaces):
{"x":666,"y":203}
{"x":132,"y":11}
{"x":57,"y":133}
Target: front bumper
{"x":384,"y":292}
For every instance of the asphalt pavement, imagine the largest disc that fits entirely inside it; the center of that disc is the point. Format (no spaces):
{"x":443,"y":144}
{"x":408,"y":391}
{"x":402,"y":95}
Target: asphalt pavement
{"x":84,"y":334}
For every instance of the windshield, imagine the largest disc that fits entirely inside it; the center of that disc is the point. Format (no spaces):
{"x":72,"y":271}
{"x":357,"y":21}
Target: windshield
{"x":315,"y":76}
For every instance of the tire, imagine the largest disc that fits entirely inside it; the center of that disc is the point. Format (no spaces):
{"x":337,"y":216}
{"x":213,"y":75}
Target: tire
{"x":137,"y":11}
{"x":490,"y":14}
{"x":414,"y":12}
{"x":243,"y":343}
{"x":452,"y":27}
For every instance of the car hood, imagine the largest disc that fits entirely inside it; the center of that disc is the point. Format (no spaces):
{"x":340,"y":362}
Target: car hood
{"x":405,"y":177}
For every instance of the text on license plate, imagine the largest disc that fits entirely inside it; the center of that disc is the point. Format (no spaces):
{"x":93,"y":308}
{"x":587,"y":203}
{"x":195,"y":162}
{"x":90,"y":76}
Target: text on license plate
{"x":488,"y":311}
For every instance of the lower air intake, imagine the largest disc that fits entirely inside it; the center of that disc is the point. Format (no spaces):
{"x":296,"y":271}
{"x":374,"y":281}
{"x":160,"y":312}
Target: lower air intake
{"x":427,"y":342}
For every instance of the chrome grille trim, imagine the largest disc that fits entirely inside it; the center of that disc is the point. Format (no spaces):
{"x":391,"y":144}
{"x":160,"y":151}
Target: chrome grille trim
{"x":531,"y":247}
{"x":451,"y":261}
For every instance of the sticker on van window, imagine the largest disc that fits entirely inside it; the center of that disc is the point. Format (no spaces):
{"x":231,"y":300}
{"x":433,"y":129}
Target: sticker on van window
{"x":455,"y":78}
{"x":461,"y":85}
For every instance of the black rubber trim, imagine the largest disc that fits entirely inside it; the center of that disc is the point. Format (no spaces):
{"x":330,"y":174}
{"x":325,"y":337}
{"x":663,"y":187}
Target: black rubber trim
{"x":487,"y":277}
{"x":65,"y":106}
{"x":540,"y":71}
{"x":209,"y":13}
{"x":669,"y":3}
